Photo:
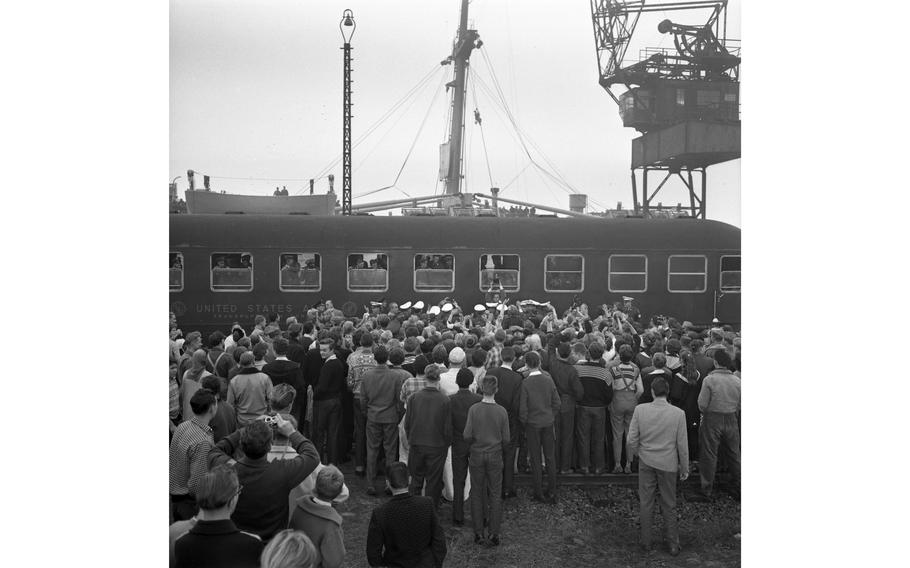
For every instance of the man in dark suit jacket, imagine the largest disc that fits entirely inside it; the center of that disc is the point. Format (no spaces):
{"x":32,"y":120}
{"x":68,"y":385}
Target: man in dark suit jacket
{"x":658,"y":368}
{"x":283,"y":370}
{"x":565,"y":376}
{"x":460,"y":403}
{"x":404,"y":531}
{"x":328,"y":390}
{"x":703,"y":363}
{"x":297,"y":346}
{"x":214,"y":540}
{"x":507,"y":397}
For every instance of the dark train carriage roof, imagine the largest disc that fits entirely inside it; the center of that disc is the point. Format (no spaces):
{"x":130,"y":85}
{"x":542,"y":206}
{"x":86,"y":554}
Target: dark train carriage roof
{"x":443,"y":233}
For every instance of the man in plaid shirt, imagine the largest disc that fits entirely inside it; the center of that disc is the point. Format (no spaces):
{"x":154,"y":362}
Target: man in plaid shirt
{"x":494,"y":358}
{"x":189,"y":453}
{"x":414,"y":384}
{"x":359,"y":362}
{"x":408,"y":388}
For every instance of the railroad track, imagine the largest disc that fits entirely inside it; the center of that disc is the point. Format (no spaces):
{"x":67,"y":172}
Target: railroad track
{"x":577,"y":479}
{"x":574,"y":479}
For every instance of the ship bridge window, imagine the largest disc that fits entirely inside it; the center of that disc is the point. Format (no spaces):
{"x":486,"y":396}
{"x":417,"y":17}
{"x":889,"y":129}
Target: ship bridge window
{"x":628,"y":273}
{"x":434,"y":272}
{"x":176,"y":272}
{"x":300,"y":272}
{"x":687,"y":273}
{"x":564,"y":273}
{"x":500,"y":272}
{"x":730,"y":273}
{"x":232,"y":272}
{"x":368,"y":272}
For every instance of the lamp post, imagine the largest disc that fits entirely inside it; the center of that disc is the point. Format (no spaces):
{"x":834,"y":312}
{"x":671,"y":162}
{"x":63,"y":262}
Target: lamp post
{"x":347,"y":27}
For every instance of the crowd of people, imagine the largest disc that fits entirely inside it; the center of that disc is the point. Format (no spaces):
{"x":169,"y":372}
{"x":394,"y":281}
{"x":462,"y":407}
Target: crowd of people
{"x":443,"y":405}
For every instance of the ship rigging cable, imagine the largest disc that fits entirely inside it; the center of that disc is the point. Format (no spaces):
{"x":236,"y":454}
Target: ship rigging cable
{"x":561,"y":179}
{"x":411,"y":92}
{"x":392,"y":127}
{"x":521,"y":136}
{"x":558,"y":177}
{"x":411,"y":149}
{"x":479,"y":122}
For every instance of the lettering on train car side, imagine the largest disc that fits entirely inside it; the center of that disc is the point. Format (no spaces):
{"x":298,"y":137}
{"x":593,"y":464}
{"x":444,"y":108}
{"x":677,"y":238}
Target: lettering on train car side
{"x":250,"y":308}
{"x":271,"y":308}
{"x":216,"y":308}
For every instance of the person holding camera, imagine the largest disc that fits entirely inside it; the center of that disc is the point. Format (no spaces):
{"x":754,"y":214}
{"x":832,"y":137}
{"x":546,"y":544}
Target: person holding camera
{"x":263,"y":507}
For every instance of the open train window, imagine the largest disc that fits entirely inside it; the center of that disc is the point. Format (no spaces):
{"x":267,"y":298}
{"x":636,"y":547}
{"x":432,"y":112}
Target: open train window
{"x":687,"y":273}
{"x":300,"y":272}
{"x":628,"y":273}
{"x":176,"y":272}
{"x":564,"y":273}
{"x":500,"y":270}
{"x":368,"y":272}
{"x":434,"y":272}
{"x":232,"y":272}
{"x":730,"y":273}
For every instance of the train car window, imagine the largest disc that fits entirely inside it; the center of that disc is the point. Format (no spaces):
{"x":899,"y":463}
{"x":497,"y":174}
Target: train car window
{"x":176,"y":274}
{"x":730,"y":273}
{"x":434,"y":272}
{"x":232,"y":272}
{"x":628,"y":273}
{"x":564,"y":273}
{"x":500,"y":270}
{"x":300,"y":272}
{"x":687,"y":273}
{"x":368,"y":272}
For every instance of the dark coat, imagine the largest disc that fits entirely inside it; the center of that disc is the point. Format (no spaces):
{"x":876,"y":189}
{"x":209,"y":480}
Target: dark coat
{"x":263,"y":506}
{"x":224,"y":422}
{"x":217,"y":544}
{"x":647,"y":378}
{"x":289,"y":372}
{"x":507,"y":394}
{"x":405,"y":532}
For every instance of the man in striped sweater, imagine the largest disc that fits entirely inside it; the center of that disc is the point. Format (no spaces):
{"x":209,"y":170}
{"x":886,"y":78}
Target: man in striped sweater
{"x":591,"y":422}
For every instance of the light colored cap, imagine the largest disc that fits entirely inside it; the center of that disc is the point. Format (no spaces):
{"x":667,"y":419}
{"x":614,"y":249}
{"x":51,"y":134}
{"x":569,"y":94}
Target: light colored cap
{"x":456,"y":356}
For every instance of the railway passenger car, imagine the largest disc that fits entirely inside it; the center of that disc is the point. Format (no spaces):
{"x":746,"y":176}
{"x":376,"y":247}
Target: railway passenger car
{"x":226,"y":268}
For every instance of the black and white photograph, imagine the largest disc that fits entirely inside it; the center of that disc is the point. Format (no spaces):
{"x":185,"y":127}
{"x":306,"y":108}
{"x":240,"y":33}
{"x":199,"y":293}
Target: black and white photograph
{"x":455,"y":283}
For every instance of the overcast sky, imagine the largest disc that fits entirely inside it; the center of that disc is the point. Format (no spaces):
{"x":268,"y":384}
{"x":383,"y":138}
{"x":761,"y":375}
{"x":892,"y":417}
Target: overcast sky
{"x":256,"y":92}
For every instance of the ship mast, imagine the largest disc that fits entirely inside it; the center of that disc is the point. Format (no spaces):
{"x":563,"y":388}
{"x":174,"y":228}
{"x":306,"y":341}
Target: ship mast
{"x":465,"y":43}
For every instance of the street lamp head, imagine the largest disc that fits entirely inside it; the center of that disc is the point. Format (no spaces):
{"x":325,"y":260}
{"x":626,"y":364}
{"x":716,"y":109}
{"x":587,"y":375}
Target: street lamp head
{"x":347,"y":25}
